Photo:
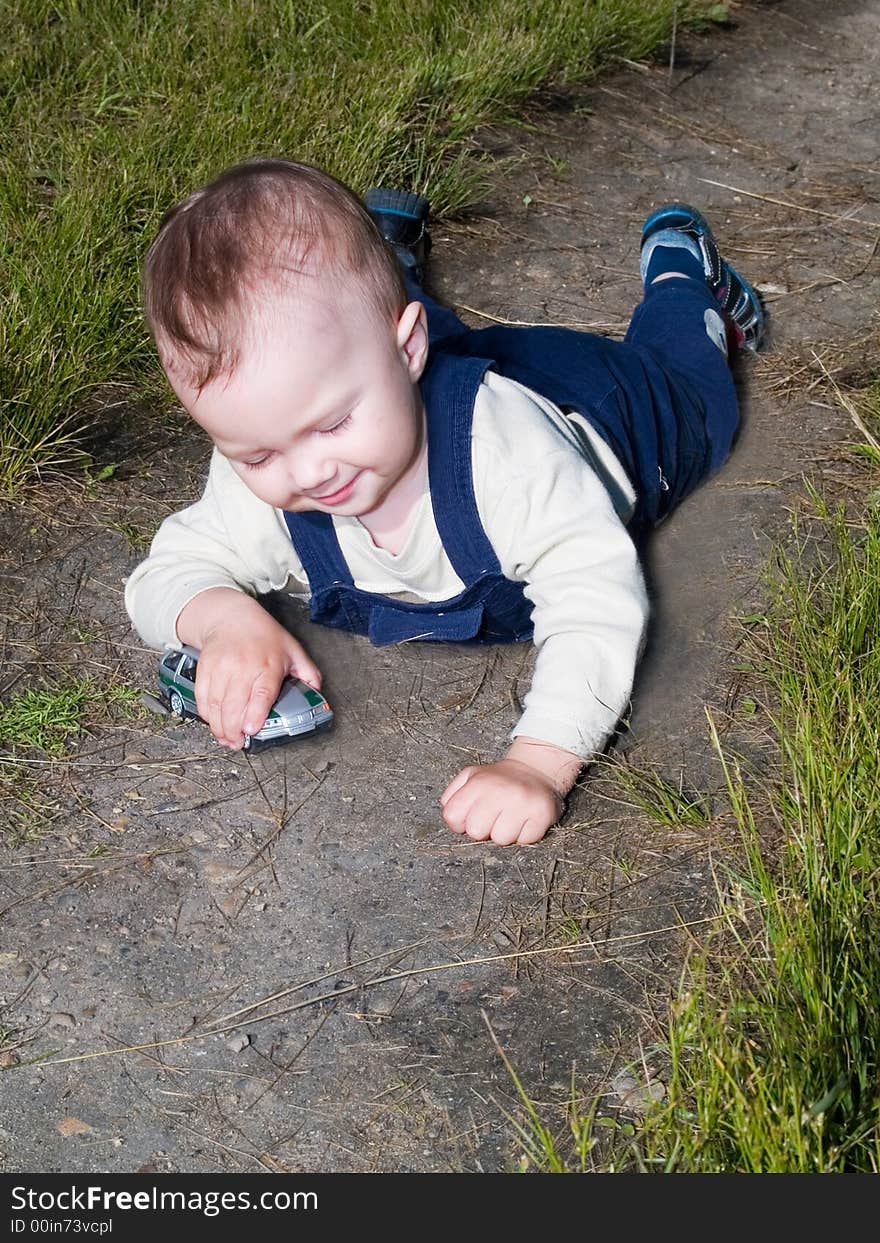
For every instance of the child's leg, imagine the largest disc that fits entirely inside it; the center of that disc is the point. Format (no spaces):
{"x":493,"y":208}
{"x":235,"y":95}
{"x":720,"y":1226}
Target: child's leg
{"x":696,"y":306}
{"x":680,"y":323}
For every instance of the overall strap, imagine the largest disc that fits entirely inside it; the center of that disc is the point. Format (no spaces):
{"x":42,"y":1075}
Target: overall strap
{"x":317,"y":546}
{"x":449,"y":389}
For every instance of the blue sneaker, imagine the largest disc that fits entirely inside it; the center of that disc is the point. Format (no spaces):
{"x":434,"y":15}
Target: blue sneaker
{"x":678,"y":224}
{"x":402,"y":219}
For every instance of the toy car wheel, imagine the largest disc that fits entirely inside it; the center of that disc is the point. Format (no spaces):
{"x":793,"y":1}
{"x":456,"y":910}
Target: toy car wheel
{"x":246,"y":745}
{"x":176,"y":703}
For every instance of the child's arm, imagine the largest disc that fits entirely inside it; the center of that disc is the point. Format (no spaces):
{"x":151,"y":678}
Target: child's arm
{"x":228,"y":538}
{"x":553,"y":527}
{"x":195,"y":588}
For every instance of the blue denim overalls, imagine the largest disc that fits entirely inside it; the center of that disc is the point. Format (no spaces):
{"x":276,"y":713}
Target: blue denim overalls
{"x":664,"y":401}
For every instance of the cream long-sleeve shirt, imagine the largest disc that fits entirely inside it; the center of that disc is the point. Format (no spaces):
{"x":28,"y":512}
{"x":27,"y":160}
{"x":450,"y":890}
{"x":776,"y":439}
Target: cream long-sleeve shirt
{"x":543,"y":483}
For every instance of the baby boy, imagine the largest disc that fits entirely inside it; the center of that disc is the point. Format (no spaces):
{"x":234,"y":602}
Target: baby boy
{"x":411,"y":478}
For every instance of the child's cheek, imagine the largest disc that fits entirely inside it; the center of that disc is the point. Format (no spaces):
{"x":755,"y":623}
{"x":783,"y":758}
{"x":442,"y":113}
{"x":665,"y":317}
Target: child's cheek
{"x":264,"y":485}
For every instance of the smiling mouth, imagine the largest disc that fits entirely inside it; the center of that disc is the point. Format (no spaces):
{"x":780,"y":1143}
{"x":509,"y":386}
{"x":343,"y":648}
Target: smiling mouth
{"x":335,"y":498}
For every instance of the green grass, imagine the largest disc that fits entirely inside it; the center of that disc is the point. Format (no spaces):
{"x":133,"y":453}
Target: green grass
{"x":47,"y":718}
{"x":866,"y":415}
{"x":670,"y":803}
{"x":775,"y":1047}
{"x":772,"y":1052}
{"x":112,"y":110}
{"x":137,"y":538}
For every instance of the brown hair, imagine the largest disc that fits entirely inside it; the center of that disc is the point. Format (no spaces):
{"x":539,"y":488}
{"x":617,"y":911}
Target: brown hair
{"x":259,"y":223}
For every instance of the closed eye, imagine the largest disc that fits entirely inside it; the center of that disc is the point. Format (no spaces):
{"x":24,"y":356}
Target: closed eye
{"x":323,"y":431}
{"x":337,"y":427}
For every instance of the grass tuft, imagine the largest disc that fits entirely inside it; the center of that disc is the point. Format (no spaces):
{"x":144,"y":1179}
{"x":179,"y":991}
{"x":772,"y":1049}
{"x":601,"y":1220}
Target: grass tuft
{"x":670,"y":803}
{"x":47,"y":718}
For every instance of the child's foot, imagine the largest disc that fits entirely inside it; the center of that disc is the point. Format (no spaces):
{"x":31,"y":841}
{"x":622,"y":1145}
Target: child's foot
{"x":676,"y":225}
{"x":402,"y":220}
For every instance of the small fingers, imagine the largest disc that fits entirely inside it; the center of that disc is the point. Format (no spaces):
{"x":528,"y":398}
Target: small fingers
{"x":506,"y":830}
{"x":302,"y":666}
{"x":258,"y":706}
{"x":465,"y":811}
{"x":231,"y":708}
{"x":455,"y":814}
{"x":209,"y":702}
{"x":456,"y":784}
{"x":518,"y":832}
{"x":222,"y":701}
{"x":487,"y":805}
{"x":533,"y":831}
{"x":479,"y":825}
{"x":309,"y":672}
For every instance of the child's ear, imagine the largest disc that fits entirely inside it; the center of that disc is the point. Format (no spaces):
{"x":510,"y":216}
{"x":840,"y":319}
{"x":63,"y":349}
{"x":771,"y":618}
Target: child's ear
{"x":412,"y":339}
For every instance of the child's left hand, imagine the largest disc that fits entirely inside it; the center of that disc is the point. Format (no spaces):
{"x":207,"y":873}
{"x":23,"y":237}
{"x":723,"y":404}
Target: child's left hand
{"x":514,"y":800}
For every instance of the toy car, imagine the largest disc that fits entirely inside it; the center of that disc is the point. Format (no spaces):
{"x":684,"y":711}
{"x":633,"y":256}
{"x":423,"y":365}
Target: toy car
{"x":299,"y":709}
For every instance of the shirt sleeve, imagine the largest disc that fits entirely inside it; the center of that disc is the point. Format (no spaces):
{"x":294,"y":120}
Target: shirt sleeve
{"x":228,"y":538}
{"x":554,"y":528}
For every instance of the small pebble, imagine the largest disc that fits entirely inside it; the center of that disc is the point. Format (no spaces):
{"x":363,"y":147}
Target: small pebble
{"x":61,"y":1019}
{"x":153,"y":704}
{"x":238,"y":1043}
{"x":635,"y":1095}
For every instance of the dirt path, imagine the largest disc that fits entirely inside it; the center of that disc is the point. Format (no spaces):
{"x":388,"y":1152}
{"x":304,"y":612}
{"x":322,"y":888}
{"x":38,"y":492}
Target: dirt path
{"x":178,"y":886}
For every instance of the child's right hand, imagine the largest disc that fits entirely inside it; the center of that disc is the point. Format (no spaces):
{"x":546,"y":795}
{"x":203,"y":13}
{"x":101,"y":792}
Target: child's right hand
{"x":244,"y":656}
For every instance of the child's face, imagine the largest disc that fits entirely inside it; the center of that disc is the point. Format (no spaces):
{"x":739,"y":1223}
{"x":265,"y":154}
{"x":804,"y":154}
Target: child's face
{"x":323,"y":412}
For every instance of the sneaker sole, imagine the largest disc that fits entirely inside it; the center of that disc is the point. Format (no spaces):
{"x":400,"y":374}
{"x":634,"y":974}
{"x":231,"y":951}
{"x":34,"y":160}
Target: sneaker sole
{"x":397,"y":203}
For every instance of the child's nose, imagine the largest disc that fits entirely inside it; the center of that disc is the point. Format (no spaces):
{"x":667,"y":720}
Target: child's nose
{"x":310,"y":471}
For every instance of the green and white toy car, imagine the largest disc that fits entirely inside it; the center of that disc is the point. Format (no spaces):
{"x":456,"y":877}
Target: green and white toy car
{"x":299,"y":709}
